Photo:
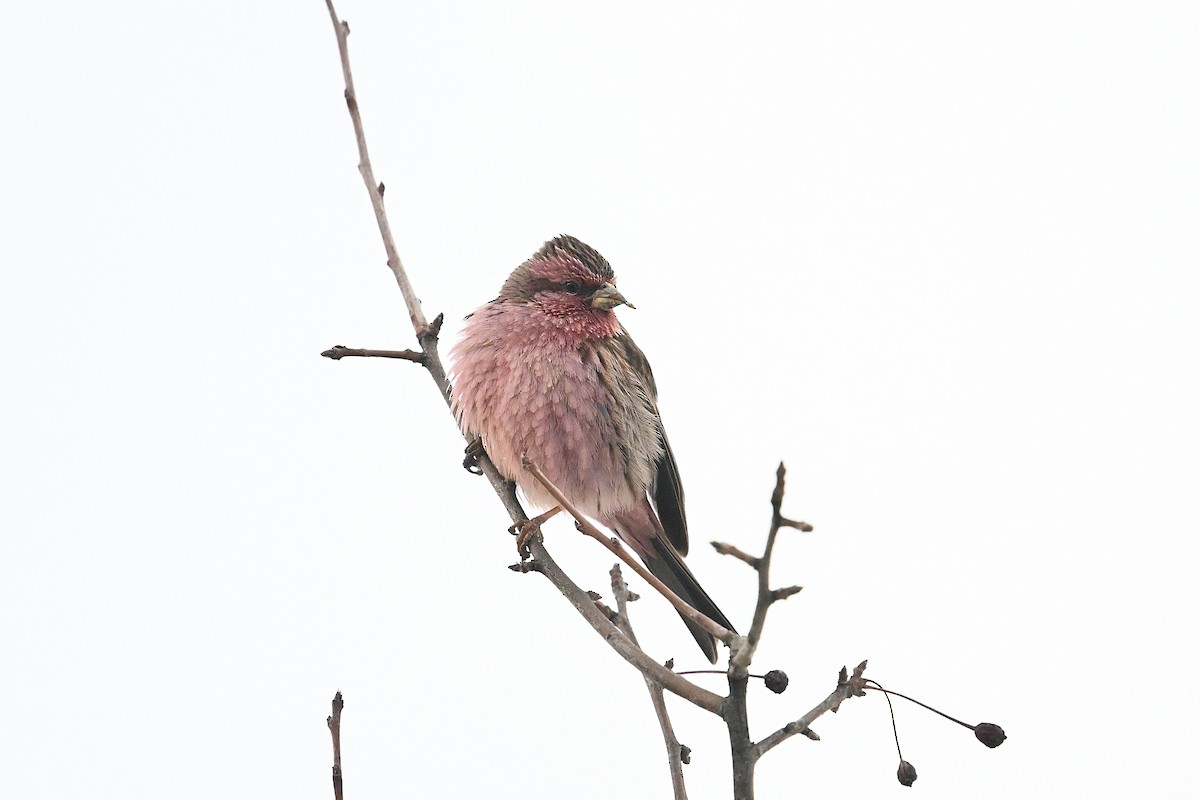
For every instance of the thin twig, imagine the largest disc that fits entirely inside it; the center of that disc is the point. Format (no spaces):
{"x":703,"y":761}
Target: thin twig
{"x":614,"y":546}
{"x":729,"y":550}
{"x":676,"y":753}
{"x":334,"y":721}
{"x":338,"y":352}
{"x":374,"y":189}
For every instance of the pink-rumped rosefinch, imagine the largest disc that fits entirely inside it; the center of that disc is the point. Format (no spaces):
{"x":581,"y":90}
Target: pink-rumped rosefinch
{"x":547,"y":370}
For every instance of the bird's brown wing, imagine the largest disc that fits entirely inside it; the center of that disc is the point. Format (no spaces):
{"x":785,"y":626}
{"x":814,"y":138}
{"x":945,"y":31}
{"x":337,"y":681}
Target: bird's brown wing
{"x":666,"y":490}
{"x":667,"y":494}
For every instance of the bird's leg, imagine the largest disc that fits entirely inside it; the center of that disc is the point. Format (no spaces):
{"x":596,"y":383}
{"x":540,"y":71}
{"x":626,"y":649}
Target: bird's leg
{"x":525,"y":530}
{"x":473,"y":452}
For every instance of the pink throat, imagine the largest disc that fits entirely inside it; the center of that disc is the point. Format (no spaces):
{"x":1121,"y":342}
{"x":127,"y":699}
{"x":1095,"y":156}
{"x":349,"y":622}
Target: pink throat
{"x":569,"y":317}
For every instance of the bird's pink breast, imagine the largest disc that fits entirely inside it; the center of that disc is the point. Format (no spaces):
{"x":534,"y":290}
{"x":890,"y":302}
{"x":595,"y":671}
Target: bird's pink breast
{"x":527,"y":382}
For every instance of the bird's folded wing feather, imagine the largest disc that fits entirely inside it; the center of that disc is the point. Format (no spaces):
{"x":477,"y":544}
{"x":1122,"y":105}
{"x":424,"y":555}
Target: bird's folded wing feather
{"x":666,"y":490}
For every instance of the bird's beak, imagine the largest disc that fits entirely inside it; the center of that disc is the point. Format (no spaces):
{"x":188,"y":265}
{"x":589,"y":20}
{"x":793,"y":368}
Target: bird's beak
{"x":607,"y":297}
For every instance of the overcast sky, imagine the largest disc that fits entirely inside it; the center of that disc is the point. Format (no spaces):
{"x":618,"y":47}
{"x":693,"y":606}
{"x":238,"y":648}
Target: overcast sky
{"x":942,"y":259}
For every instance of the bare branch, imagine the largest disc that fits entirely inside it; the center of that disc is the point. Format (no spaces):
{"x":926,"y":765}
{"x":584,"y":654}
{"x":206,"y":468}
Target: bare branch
{"x":338,"y":352}
{"x":334,"y":721}
{"x":677,"y":754}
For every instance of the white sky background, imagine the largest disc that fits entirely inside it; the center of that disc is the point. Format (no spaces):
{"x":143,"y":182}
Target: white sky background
{"x":940,"y":258}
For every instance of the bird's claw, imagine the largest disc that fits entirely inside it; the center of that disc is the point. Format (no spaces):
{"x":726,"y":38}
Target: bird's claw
{"x":526,"y":530}
{"x":471,"y":461}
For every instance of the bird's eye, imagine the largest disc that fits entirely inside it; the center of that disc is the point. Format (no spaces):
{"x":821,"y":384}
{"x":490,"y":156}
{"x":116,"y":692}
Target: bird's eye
{"x":572,"y":287}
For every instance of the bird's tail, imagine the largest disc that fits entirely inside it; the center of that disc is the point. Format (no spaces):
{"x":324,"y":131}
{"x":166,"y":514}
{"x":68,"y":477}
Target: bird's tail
{"x":666,"y":565}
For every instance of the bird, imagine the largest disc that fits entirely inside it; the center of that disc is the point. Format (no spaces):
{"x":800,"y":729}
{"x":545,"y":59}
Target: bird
{"x":546,"y":371}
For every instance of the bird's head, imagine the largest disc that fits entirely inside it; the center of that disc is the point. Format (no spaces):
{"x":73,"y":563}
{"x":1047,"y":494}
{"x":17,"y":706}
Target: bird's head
{"x":565,"y":278}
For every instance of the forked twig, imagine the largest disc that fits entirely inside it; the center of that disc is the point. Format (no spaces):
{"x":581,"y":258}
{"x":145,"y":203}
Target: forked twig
{"x":739,"y":661}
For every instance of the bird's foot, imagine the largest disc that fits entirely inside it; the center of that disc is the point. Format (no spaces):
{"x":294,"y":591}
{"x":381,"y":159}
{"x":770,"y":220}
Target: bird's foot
{"x":471,"y":460}
{"x":524,"y":531}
